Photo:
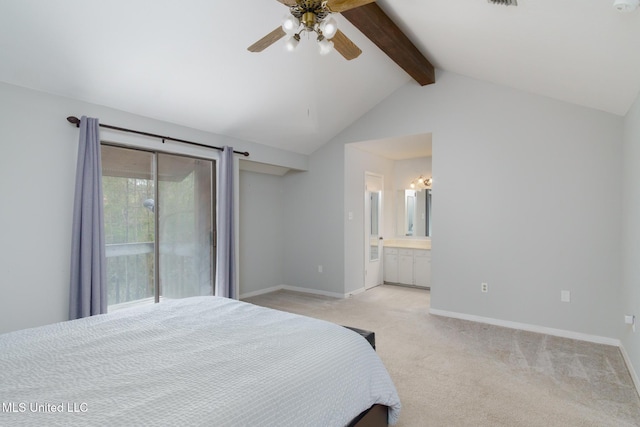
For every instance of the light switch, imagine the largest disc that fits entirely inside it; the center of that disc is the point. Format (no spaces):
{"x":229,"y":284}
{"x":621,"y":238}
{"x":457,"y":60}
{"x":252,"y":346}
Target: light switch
{"x":565,"y":296}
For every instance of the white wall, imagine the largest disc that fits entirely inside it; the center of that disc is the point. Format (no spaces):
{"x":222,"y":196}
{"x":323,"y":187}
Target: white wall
{"x":37,"y":175}
{"x":261,"y":232}
{"x":527,"y":197}
{"x":631,"y":238}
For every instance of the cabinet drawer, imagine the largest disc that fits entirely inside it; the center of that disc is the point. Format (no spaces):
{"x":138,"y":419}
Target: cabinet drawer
{"x":391,"y":251}
{"x":405,"y":252}
{"x":422,"y":253}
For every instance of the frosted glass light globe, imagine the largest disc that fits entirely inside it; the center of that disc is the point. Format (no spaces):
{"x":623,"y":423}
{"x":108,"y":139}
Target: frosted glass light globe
{"x":329,"y":27}
{"x":290,"y":24}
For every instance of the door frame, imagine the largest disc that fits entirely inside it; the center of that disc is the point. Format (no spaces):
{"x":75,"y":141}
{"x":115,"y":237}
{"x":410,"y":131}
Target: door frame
{"x":373,"y":180}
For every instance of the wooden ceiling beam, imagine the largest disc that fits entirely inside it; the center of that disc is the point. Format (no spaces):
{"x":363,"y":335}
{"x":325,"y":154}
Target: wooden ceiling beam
{"x":371,"y":20}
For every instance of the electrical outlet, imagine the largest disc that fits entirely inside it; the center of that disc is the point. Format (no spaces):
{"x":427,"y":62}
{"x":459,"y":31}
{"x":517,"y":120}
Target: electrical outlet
{"x":484,"y":287}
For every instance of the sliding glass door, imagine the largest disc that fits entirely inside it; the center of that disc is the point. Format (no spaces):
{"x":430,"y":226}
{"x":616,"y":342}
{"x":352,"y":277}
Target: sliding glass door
{"x":185,"y":226}
{"x":159,"y":225}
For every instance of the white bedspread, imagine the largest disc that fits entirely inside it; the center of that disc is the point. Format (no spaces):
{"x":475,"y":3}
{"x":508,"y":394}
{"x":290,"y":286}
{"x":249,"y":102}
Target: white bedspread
{"x":197,"y":361}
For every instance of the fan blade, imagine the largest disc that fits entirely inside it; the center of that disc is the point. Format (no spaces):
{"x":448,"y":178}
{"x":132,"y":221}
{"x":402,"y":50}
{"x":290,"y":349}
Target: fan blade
{"x":345,"y":46}
{"x":267,"y":40}
{"x":288,"y":2}
{"x":342,"y":5}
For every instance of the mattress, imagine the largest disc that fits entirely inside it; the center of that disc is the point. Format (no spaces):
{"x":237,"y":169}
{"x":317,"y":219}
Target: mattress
{"x":193,"y":361}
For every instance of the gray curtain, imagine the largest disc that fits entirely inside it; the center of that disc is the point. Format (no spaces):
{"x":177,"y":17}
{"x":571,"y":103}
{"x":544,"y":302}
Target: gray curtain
{"x":225,"y":262}
{"x":88,"y":291}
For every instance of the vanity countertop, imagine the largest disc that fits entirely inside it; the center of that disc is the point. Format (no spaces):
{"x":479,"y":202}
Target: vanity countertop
{"x":407,"y":244}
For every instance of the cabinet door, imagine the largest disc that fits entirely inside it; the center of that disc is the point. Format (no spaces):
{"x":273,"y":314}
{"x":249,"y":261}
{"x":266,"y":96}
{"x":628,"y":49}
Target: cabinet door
{"x":422,"y":268}
{"x":391,"y":267}
{"x":405,"y":267}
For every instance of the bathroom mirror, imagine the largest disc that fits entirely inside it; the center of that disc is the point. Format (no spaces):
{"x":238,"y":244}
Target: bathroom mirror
{"x":413,"y":213}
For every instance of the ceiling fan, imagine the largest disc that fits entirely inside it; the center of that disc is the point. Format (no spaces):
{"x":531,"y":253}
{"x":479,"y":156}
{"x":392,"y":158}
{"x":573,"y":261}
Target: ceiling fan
{"x":314,"y":16}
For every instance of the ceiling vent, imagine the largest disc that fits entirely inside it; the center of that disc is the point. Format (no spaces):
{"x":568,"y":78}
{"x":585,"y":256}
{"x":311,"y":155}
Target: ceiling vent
{"x":504,"y":2}
{"x":626,"y":6}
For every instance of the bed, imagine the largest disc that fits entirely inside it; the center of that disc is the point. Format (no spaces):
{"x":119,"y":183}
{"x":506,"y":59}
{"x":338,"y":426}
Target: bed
{"x":194,"y":361}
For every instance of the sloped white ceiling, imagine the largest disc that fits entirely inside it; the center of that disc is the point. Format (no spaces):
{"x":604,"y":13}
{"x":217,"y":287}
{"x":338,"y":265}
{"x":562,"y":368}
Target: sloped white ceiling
{"x":186,"y":61}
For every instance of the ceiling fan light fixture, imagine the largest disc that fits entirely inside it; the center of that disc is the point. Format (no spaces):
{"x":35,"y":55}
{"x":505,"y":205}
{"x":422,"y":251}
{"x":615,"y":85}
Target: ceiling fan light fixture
{"x":292,"y":42}
{"x":309,"y":20}
{"x":329,"y":27}
{"x":326,"y":46}
{"x":313,"y":17}
{"x":290,"y":24}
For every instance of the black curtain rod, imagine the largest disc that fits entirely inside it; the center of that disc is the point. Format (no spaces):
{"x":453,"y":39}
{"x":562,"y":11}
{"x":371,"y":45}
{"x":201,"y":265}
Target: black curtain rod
{"x":76,"y":121}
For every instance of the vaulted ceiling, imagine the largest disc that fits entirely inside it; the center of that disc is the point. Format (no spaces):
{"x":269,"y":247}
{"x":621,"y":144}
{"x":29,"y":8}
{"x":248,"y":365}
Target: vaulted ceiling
{"x":186,"y":61}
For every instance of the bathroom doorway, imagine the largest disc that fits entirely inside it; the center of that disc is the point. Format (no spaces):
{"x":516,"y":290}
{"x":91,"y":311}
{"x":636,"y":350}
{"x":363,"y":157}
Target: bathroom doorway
{"x":373,"y":191}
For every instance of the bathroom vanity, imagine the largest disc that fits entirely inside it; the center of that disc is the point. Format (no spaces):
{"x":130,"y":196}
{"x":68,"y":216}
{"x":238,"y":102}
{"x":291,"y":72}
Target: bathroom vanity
{"x":408,"y":262}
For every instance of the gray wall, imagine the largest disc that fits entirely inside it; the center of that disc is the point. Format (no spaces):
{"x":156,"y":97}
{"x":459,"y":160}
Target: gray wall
{"x":37,"y":178}
{"x":261,"y":232}
{"x":631,"y":236}
{"x":313,"y":212}
{"x":528,"y":199}
{"x":528,"y":189}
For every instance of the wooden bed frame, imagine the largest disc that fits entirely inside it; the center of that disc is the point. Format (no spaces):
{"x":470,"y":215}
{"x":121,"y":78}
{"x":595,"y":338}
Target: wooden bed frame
{"x":376,"y":416}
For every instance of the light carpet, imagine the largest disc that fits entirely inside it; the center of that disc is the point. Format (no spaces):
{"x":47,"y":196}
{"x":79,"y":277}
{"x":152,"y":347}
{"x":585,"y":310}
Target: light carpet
{"x":451,"y":372}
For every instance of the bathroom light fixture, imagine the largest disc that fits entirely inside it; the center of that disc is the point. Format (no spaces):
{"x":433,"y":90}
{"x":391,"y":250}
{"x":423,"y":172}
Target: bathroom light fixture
{"x":504,"y":2}
{"x":421,"y":183}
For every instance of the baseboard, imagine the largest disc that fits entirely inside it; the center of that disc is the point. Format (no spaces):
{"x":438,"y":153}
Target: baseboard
{"x":356,"y":292}
{"x":313,"y":291}
{"x":632,"y":372}
{"x":527,"y":327}
{"x":298,"y":289}
{"x":261,"y":292}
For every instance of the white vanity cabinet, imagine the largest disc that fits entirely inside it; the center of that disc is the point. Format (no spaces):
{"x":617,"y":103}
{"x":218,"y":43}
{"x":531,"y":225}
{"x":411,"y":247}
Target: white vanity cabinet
{"x":422,"y":267}
{"x":407,"y":266}
{"x":390,"y":265}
